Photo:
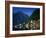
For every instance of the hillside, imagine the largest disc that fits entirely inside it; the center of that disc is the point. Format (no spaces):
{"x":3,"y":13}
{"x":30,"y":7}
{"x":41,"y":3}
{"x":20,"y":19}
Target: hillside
{"x":19,"y":18}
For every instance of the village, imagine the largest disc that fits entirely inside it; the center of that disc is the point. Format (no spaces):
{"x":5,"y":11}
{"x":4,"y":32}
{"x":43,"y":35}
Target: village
{"x":32,"y":25}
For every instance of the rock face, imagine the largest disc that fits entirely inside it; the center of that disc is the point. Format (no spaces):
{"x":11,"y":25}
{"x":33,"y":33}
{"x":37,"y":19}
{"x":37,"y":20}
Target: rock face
{"x":36,"y":17}
{"x":19,"y":18}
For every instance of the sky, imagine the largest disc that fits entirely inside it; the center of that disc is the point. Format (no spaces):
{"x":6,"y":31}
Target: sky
{"x":27,"y":11}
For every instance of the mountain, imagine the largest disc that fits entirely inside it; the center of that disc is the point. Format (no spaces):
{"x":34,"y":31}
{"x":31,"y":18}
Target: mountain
{"x":35,"y":15}
{"x":19,"y":18}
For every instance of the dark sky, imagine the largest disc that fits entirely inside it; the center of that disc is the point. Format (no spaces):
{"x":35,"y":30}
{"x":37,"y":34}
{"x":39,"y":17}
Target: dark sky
{"x":27,"y":11}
